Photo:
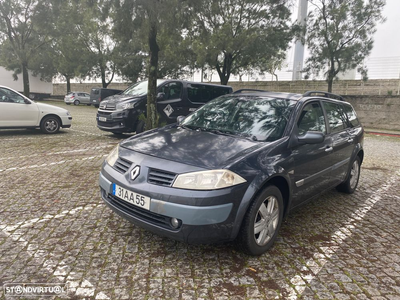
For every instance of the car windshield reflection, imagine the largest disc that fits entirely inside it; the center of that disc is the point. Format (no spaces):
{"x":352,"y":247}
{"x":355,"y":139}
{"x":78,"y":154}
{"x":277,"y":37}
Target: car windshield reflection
{"x":258,"y":118}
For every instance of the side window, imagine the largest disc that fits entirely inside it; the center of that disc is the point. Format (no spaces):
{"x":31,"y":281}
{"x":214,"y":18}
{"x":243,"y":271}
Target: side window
{"x":336,"y":117}
{"x":311,"y":119}
{"x":172,"y":90}
{"x":10,"y":96}
{"x":351,"y":115}
{"x":204,"y":93}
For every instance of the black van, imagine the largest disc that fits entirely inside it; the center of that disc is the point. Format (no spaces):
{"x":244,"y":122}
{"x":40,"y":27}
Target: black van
{"x":120,"y":113}
{"x":99,"y":94}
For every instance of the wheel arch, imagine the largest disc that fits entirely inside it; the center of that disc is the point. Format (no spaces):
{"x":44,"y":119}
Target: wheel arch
{"x":51,"y":115}
{"x":278,"y":180}
{"x":360,"y":154}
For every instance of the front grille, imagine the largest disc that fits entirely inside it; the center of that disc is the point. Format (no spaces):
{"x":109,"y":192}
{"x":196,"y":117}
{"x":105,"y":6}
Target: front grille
{"x":104,"y":113}
{"x":140,"y":213}
{"x":122,"y":165}
{"x":159,"y":177}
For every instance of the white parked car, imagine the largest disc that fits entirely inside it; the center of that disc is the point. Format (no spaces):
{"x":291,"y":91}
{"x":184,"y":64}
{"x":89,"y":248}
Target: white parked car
{"x":18,"y":111}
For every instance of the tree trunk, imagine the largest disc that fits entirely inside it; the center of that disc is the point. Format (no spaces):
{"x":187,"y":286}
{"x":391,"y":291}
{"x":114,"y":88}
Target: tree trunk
{"x":68,"y":83}
{"x":330,"y":84}
{"x":103,"y":76}
{"x":152,"y":115}
{"x":225,"y":73}
{"x":25,"y":79}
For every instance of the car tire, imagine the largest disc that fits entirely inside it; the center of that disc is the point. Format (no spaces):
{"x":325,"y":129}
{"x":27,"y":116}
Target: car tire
{"x":140,"y":127}
{"x":76,"y":102}
{"x":50,"y":124}
{"x":88,"y":104}
{"x":350,"y":185}
{"x":265,"y":216}
{"x":96,"y":105}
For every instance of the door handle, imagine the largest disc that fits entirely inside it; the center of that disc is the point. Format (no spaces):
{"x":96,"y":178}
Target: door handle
{"x":350,"y":140}
{"x":328,"y":149}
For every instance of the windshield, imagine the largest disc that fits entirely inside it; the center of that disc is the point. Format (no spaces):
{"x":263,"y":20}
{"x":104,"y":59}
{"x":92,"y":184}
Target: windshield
{"x":139,"y":89}
{"x":257,"y":117}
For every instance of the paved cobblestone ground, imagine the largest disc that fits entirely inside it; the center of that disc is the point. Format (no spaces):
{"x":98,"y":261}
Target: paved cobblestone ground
{"x":55,"y":228}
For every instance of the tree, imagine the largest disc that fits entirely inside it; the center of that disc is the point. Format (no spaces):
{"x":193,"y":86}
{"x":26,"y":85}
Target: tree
{"x":231,"y":36}
{"x":156,"y":25}
{"x":340,"y":35}
{"x":24,"y":36}
{"x":69,"y":54}
{"x":94,"y":27}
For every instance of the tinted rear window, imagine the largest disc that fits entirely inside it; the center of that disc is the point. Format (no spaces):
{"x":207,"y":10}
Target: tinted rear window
{"x":204,"y":93}
{"x":351,"y":115}
{"x":336,"y":117}
{"x":95,"y":91}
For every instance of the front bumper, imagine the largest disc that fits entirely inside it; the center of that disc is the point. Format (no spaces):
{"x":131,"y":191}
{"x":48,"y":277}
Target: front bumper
{"x":66,"y":121}
{"x":211,"y":222}
{"x":116,"y":121}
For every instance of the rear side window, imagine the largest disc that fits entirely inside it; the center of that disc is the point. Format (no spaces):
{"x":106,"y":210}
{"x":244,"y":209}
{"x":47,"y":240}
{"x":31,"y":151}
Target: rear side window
{"x":336,"y":117}
{"x":351,"y":115}
{"x":311,"y":119}
{"x":203,"y":93}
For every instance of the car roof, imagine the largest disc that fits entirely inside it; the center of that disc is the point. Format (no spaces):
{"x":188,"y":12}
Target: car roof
{"x":202,"y":83}
{"x":293,"y":96}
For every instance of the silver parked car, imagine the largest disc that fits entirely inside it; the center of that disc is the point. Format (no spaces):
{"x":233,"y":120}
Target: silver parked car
{"x":77,"y":98}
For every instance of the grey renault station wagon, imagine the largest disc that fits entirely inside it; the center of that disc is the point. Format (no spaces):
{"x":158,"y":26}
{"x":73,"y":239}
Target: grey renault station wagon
{"x":233,"y":169}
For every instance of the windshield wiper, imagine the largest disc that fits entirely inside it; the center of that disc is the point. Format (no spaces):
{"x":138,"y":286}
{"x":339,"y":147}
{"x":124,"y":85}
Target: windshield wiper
{"x":232,"y":133}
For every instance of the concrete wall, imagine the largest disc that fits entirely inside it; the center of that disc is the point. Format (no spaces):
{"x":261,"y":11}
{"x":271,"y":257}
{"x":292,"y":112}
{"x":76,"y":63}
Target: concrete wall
{"x":382,"y":112}
{"x":60,"y":89}
{"x":375,"y":106}
{"x":343,"y":87}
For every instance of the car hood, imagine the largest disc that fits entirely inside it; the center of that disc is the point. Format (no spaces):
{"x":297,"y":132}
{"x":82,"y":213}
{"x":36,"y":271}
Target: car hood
{"x":50,"y":108}
{"x":119,"y":98}
{"x":198,"y":148}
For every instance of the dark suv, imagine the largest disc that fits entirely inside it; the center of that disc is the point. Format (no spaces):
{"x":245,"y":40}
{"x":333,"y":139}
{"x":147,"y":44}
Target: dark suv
{"x":122,"y":113}
{"x":235,"y":168}
{"x":99,"y":94}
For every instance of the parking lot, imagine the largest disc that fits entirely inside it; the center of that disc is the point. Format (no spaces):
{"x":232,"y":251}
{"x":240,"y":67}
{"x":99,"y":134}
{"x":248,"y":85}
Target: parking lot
{"x":54,"y":228}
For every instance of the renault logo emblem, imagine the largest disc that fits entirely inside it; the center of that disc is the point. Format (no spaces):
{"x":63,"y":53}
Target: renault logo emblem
{"x":135,"y":172}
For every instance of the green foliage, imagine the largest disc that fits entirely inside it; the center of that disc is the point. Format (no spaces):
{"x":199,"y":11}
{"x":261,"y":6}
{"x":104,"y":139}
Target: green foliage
{"x":25,"y":37}
{"x":234,"y":35}
{"x":340,"y":35}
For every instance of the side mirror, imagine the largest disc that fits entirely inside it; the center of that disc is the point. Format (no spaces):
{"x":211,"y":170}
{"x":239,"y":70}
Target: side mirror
{"x":27,"y":101}
{"x":180,"y":119}
{"x":160,"y":96}
{"x":311,"y":137}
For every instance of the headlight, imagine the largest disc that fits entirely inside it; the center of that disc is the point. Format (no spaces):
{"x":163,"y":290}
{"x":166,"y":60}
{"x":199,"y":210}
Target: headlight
{"x":124,"y":106}
{"x":207,"y":180}
{"x":113,"y":156}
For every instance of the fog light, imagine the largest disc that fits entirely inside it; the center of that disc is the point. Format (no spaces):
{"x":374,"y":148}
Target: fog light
{"x":175,"y":222}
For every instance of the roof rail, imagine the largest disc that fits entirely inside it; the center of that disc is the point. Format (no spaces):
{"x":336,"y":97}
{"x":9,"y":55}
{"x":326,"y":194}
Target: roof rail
{"x":325,"y":94}
{"x":247,"y":90}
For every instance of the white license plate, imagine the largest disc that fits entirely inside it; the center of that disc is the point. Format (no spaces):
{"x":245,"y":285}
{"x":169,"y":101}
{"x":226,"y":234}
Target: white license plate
{"x":102,"y":119}
{"x":131,"y":197}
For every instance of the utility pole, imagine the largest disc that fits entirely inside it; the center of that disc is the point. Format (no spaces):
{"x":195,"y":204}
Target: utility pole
{"x":299,"y":46}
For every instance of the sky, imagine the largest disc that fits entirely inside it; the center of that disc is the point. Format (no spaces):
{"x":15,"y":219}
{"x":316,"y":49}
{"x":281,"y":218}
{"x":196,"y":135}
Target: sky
{"x":387,"y":36}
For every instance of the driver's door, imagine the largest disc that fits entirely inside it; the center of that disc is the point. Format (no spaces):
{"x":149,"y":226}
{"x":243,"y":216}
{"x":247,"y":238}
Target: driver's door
{"x":14,"y":112}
